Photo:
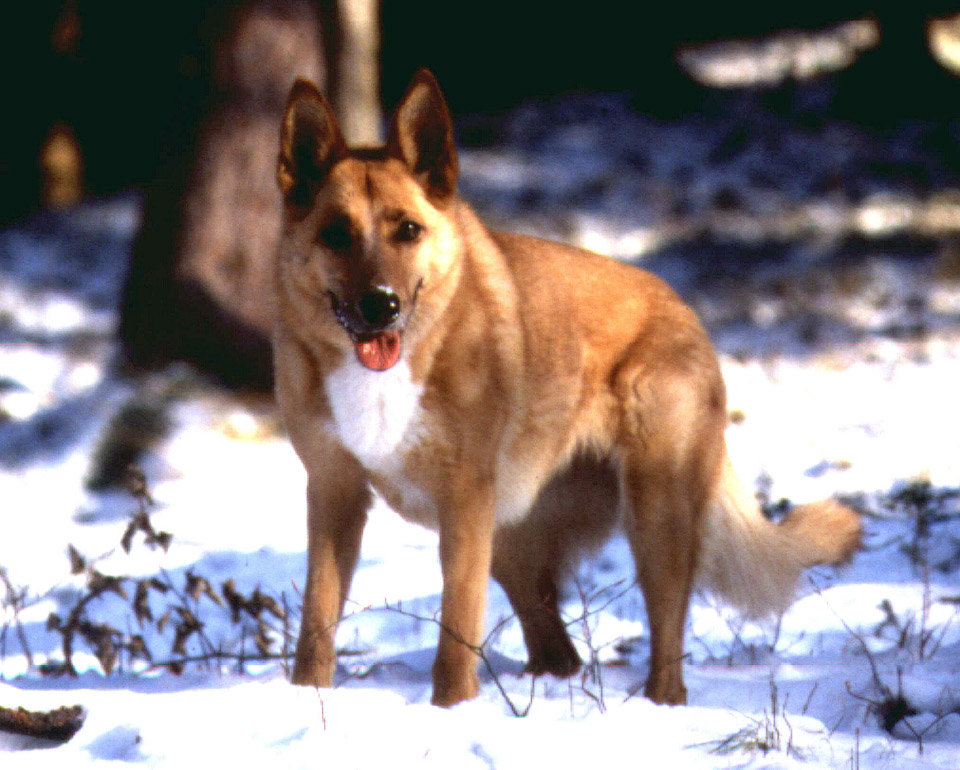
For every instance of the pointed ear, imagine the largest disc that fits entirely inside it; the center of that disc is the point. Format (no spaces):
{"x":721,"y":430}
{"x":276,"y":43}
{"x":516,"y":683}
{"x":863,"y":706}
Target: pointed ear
{"x":421,"y":135}
{"x":310,"y":143}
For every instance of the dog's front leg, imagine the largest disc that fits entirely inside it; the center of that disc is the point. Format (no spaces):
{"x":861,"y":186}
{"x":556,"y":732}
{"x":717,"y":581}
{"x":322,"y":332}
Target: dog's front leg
{"x":466,"y":544}
{"x":337,"y":508}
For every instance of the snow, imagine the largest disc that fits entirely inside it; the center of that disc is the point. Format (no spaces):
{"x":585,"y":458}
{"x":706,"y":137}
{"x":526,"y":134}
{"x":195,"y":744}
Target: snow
{"x":849,"y":408}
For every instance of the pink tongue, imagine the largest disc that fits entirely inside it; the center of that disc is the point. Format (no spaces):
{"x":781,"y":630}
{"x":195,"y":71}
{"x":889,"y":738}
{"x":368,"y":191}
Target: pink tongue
{"x":381,"y":352}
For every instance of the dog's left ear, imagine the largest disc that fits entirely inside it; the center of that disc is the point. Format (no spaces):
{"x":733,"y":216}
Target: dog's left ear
{"x":421,"y":135}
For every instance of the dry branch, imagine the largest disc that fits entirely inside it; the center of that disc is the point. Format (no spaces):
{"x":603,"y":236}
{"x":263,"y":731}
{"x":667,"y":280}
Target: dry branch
{"x":61,"y":724}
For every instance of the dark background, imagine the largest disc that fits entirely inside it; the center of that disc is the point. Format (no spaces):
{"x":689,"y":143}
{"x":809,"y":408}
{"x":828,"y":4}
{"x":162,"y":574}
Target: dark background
{"x":131,"y":79}
{"x":178,"y":102}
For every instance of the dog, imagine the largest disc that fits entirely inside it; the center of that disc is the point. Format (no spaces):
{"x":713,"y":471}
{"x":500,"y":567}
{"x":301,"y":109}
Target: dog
{"x":519,"y":397}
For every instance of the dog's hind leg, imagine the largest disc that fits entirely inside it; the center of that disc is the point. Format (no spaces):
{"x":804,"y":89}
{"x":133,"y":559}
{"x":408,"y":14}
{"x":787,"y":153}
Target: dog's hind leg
{"x":574,"y":512}
{"x":661,"y":527}
{"x":671,"y":448}
{"x":525,"y":572}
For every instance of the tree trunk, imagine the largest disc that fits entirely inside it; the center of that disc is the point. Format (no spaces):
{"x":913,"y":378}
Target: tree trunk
{"x":200,"y":282}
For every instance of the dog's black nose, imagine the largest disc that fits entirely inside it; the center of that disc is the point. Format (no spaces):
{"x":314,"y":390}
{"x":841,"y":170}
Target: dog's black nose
{"x":379,"y":308}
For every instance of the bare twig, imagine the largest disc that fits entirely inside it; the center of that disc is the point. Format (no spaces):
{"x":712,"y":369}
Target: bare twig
{"x":15,"y":599}
{"x":875,"y":673}
{"x":183,"y":613}
{"x":285,"y":651}
{"x":593,"y":667}
{"x":589,"y":611}
{"x":806,"y":704}
{"x":762,"y":735}
{"x":477,"y":649}
{"x":216,"y":656}
{"x":633,"y":691}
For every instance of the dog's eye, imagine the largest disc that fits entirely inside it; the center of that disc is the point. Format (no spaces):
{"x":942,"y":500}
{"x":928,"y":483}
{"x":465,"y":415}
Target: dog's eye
{"x":336,"y":236}
{"x":408,"y":231}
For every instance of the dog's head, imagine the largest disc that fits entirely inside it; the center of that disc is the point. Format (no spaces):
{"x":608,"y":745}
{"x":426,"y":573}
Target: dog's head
{"x":368,"y":234}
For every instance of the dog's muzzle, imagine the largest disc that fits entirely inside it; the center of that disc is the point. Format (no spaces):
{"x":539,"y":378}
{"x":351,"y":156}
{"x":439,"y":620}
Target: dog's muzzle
{"x":375,"y":311}
{"x":379,"y":308}
{"x":374,"y":325}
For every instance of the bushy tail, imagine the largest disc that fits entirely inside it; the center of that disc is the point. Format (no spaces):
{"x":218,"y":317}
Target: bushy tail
{"x":753,"y":563}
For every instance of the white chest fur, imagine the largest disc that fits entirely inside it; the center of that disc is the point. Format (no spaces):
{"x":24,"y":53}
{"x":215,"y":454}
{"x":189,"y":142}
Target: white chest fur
{"x":373,"y":412}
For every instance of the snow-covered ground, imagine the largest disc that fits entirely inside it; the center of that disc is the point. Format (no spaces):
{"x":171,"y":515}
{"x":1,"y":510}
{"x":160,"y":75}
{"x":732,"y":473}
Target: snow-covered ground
{"x":838,"y":326}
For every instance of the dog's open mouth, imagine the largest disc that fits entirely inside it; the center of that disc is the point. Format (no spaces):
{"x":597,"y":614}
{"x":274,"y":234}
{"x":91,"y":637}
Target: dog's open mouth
{"x":376,"y":330}
{"x":379,"y":351}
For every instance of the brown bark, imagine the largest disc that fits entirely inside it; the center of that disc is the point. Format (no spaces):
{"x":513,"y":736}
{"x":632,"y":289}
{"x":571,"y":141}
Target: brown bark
{"x":199,"y":285}
{"x":60,"y":724}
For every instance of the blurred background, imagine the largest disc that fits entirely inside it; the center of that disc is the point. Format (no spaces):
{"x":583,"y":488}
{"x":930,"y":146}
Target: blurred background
{"x":778,"y":164}
{"x":792,"y":169}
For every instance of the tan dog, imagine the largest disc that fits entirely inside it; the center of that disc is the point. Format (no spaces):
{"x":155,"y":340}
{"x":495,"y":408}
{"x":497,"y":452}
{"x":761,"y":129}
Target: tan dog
{"x":518,"y":396}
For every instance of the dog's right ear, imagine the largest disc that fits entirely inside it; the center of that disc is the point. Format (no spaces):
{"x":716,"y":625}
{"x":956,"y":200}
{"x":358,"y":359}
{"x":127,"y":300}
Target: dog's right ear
{"x":310,"y":143}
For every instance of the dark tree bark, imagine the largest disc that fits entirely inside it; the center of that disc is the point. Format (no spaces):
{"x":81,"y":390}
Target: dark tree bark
{"x":58,"y":725}
{"x":199,"y":285}
{"x":200,"y":281}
